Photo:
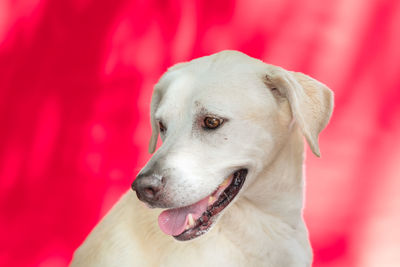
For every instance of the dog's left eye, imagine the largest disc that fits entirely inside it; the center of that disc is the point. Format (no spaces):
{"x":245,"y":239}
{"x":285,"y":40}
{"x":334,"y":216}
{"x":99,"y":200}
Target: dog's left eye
{"x":162,"y":127}
{"x":212,"y":122}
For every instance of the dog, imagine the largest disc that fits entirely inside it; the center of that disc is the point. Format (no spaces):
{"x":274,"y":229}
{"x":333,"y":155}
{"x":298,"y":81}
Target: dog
{"x":229,"y":172}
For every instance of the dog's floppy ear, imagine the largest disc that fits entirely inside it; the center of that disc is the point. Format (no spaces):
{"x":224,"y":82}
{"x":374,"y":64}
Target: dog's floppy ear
{"x":311,"y":102}
{"x":155,"y":101}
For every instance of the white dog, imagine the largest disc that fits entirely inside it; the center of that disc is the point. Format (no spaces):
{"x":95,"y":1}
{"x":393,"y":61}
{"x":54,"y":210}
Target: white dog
{"x":229,"y":173}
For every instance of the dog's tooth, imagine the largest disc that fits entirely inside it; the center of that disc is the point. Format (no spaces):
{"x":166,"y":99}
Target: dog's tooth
{"x":211,"y":200}
{"x":226,"y":181}
{"x":190,"y":220}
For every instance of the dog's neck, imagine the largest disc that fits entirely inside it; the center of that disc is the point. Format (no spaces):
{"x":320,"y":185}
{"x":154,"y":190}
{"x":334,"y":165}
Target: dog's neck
{"x":279,"y":190}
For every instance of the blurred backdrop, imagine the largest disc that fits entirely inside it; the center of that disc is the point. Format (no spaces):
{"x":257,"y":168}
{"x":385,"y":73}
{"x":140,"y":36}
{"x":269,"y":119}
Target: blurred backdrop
{"x":75,"y":84}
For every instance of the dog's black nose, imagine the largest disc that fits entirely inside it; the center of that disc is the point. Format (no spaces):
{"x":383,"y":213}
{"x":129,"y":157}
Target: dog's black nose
{"x":148,"y":187}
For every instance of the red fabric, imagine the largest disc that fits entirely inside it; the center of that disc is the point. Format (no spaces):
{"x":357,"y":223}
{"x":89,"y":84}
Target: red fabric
{"x":75,"y":85}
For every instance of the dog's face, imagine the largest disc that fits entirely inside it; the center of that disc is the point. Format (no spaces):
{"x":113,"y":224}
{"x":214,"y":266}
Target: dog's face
{"x":221,"y":118}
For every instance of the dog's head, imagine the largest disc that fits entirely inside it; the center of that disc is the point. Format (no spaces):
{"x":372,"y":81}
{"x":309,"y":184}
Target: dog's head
{"x":221,"y":118}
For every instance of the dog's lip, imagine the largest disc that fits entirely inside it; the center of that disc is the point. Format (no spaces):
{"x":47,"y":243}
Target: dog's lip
{"x":209,"y":216}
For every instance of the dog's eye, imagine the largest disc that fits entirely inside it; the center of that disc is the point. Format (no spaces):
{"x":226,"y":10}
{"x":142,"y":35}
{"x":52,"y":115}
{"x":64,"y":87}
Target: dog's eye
{"x":161,"y":127}
{"x":212,"y":122}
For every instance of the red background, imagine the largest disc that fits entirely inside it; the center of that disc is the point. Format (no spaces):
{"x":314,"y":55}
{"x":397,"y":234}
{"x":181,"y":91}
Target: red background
{"x":75,"y":84}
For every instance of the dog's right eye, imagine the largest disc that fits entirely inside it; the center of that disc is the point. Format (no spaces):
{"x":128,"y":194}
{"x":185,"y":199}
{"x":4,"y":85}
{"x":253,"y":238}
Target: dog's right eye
{"x":161,"y":127}
{"x":212,"y":123}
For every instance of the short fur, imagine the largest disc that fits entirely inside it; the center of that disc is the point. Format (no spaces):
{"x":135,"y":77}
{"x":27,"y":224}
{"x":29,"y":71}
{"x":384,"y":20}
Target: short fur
{"x":267,"y":112}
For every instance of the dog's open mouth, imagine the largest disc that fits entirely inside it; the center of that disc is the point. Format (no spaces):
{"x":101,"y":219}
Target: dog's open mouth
{"x":189,"y":222}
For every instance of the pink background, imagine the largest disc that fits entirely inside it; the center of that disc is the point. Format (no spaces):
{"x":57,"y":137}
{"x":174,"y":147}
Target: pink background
{"x":75,"y":84}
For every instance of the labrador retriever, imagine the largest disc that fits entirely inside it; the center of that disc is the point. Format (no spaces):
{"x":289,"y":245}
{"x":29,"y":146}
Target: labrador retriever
{"x":229,"y":172}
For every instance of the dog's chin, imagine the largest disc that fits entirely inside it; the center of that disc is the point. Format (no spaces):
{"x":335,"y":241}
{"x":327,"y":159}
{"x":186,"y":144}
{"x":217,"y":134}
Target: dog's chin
{"x":218,"y":201}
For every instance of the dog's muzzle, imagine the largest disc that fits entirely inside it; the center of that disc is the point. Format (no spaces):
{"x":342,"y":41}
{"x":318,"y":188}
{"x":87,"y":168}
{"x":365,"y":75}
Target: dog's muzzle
{"x":188,"y":222}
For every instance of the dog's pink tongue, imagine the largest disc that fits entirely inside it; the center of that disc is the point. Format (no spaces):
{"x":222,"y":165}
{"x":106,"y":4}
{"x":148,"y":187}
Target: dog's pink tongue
{"x":173,"y":221}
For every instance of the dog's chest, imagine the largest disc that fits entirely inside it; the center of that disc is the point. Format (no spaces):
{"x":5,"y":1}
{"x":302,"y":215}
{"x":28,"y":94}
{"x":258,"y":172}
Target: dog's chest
{"x":217,"y":249}
{"x":210,"y":251}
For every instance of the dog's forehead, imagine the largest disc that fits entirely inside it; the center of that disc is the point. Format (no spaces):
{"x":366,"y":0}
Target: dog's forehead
{"x":212,"y":91}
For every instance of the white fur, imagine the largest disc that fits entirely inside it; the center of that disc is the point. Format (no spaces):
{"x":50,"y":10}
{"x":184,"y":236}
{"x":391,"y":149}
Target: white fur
{"x":263,"y":226}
